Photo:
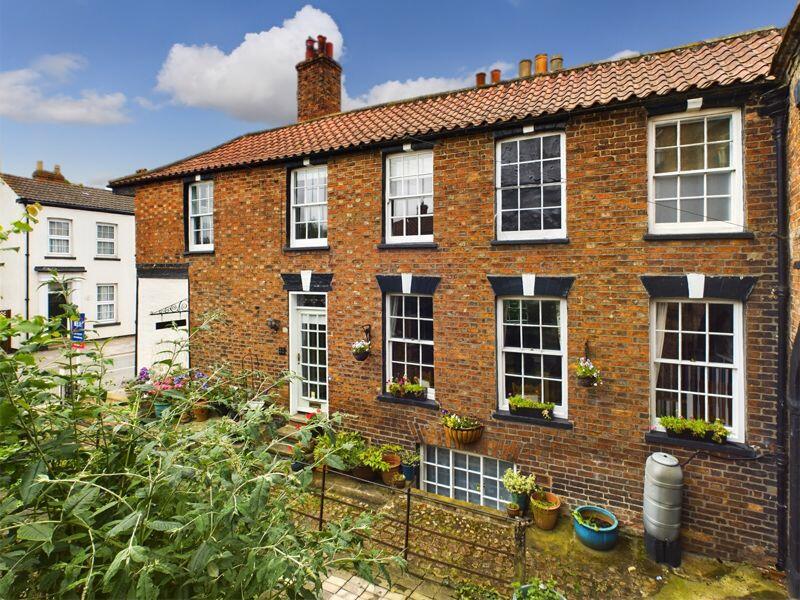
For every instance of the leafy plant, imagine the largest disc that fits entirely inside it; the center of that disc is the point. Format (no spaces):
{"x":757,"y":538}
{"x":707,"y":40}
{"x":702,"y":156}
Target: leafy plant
{"x":585,"y":368}
{"x":360,"y":347}
{"x":372,"y":457}
{"x":403,"y":387}
{"x":697,"y":428}
{"x":512,"y":506}
{"x":455,"y":421}
{"x":538,"y":590}
{"x":518,"y":401}
{"x":391,"y":449}
{"x":517,"y":483}
{"x":473,"y":591}
{"x":341,"y":450}
{"x":409,"y":457}
{"x":541,"y":502}
{"x":592,"y":520}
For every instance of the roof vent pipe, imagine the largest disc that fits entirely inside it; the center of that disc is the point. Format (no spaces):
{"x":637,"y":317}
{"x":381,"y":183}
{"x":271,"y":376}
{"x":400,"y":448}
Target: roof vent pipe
{"x":525,"y":67}
{"x":541,"y":64}
{"x":556,"y":62}
{"x":480,"y":79}
{"x":495,"y":75}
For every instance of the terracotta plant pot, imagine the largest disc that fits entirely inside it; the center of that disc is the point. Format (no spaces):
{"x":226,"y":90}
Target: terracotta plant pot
{"x":546,"y":518}
{"x":463,"y":437}
{"x":201,"y":411}
{"x":399,"y":482}
{"x":394,"y":468}
{"x":513,"y":512}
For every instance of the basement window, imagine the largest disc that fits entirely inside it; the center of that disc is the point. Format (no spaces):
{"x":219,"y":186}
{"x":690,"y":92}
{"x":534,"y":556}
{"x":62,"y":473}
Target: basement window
{"x":409,"y":197}
{"x":465,"y":476}
{"x":309,"y":207}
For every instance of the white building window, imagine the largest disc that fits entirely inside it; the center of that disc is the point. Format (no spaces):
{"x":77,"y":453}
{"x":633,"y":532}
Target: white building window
{"x":465,"y":476}
{"x":309,"y":206}
{"x":532,"y":356}
{"x":59,"y":239}
{"x":409,"y":337}
{"x":201,"y":216}
{"x":409,"y":197}
{"x":697,"y":369}
{"x":531,"y":187}
{"x":695,"y":165}
{"x":106,"y":303}
{"x":106,"y":239}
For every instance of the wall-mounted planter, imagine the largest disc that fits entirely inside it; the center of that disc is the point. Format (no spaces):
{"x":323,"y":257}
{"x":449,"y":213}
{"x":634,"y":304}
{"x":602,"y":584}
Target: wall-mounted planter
{"x":603,"y":534}
{"x":463,"y":437}
{"x":538,"y":413}
{"x":586,"y":381}
{"x":361,"y":356}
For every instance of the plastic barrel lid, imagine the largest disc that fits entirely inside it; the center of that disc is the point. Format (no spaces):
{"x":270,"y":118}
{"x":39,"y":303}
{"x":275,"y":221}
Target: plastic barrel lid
{"x":665,"y":459}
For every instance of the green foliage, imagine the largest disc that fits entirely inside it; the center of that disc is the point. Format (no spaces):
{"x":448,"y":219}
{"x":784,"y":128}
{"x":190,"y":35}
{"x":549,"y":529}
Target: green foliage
{"x":454,"y":421}
{"x":592,"y":520}
{"x":404,"y":387}
{"x":409,"y":457}
{"x":517,"y":483}
{"x":341,"y":450}
{"x":519,"y":401}
{"x":372,"y":457}
{"x":98,"y":500}
{"x":473,"y":591}
{"x":538,"y":589}
{"x":697,"y":428}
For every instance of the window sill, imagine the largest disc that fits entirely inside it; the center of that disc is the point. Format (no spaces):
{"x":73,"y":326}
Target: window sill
{"x":107,"y":258}
{"x":198,"y":253}
{"x":59,"y":257}
{"x":564,"y":240}
{"x":111,"y":324}
{"x":325,"y":248}
{"x":660,"y":438}
{"x":408,"y":246}
{"x":429,"y":404}
{"x":722,"y":235}
{"x":555,"y":422}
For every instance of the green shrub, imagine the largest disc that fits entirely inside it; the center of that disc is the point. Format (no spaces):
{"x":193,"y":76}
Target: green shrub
{"x":539,"y":590}
{"x":341,"y":450}
{"x":697,"y":428}
{"x":372,"y":457}
{"x":473,"y":591}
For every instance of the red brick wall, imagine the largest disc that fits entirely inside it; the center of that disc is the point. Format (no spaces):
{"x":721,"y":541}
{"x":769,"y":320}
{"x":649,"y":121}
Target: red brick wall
{"x":319,"y":88}
{"x":793,"y":170}
{"x":729,"y":506}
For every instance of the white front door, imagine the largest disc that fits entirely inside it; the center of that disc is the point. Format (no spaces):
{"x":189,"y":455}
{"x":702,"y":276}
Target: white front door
{"x":308,"y":352}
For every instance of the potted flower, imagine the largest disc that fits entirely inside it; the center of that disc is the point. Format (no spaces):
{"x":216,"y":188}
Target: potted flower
{"x":530,"y":407}
{"x":588,"y":374}
{"x":390,"y":453}
{"x":695,"y":429}
{"x":403,"y":387}
{"x":371,"y":463}
{"x":461,"y":430}
{"x":513,"y":510}
{"x":399,"y":480}
{"x":595,"y":527}
{"x":545,"y":507}
{"x":360,"y":349}
{"x":340,"y":450}
{"x":409,"y":464}
{"x":520,"y":487}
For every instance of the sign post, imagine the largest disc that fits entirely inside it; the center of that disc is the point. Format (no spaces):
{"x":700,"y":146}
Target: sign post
{"x":78,"y":334}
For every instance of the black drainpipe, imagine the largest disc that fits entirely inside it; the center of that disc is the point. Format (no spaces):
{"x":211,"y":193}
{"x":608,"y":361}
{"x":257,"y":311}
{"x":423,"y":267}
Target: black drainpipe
{"x":27,"y":275}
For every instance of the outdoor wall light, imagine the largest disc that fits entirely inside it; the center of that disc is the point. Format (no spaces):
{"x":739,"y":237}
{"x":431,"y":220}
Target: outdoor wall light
{"x":273,"y":324}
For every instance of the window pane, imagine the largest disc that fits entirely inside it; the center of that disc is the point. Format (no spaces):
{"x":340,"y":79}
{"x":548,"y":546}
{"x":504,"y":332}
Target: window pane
{"x":719,"y":129}
{"x":666,"y":187}
{"x":719,"y":209}
{"x":694,"y":316}
{"x":719,"y":155}
{"x":508,"y":175}
{"x":691,"y":158}
{"x":691,"y":132}
{"x":530,"y":149}
{"x":551,"y":146}
{"x":666,"y":135}
{"x":666,"y":160}
{"x":720,"y":317}
{"x":667,"y":211}
{"x":530,"y":220}
{"x":508,"y":152}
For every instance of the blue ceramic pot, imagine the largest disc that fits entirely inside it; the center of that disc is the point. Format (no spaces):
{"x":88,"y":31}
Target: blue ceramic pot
{"x":409,"y":472}
{"x":602,"y":538}
{"x":521,"y":500}
{"x":160,"y":407}
{"x":297,"y":465}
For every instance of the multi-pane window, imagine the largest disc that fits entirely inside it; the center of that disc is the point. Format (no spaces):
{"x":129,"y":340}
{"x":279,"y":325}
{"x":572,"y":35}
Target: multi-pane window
{"x":697,"y":370}
{"x":531,"y":187}
{"x":409,"y":197}
{"x":696,"y":173}
{"x":309,"y":206}
{"x":59,"y":236}
{"x":106,"y":302}
{"x":465,"y":476}
{"x":106,"y":239}
{"x":532,"y":353}
{"x":410,"y":338}
{"x":201,"y":216}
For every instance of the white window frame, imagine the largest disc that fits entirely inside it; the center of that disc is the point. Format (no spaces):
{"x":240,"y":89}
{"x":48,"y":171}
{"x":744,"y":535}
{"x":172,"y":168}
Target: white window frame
{"x":540,"y":234}
{"x":736,"y":221}
{"x":431,"y":487}
{"x":430,"y":391}
{"x":294,"y":242}
{"x":112,"y":240}
{"x":99,"y":303}
{"x":405,"y":239}
{"x":191,"y":216}
{"x":51,"y":236}
{"x":560,"y":411}
{"x":737,"y":430}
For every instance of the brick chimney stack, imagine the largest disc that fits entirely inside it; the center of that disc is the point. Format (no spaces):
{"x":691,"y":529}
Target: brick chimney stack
{"x":319,"y":81}
{"x":42,"y":173}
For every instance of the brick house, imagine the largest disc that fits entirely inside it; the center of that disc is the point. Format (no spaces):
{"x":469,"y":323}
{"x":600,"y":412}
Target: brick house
{"x":488,"y":238}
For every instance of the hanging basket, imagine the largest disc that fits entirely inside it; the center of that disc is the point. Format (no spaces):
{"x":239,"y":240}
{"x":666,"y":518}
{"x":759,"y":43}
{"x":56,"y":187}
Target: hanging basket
{"x":586,"y":381}
{"x":463,"y":437}
{"x":361,"y":356}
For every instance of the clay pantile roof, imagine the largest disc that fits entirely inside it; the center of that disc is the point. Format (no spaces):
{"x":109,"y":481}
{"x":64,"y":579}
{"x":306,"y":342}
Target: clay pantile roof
{"x":741,"y":58}
{"x":67,"y":195}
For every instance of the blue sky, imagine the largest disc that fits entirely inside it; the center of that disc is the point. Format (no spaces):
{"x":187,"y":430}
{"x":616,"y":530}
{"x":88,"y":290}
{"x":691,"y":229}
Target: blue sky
{"x":101,"y":88}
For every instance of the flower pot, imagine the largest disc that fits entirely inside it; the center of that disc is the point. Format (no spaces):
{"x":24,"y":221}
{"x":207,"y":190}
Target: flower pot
{"x":521,"y":500}
{"x":394,"y":468}
{"x":297,"y":465}
{"x":362,"y":472}
{"x":361,"y":356}
{"x":160,"y":408}
{"x":399,"y":483}
{"x":201,"y":411}
{"x":410,"y":472}
{"x":687,"y":435}
{"x":513,"y":512}
{"x":546,"y":518}
{"x":586,"y":381}
{"x":530,"y":412}
{"x":605,"y":536}
{"x":463,"y":437}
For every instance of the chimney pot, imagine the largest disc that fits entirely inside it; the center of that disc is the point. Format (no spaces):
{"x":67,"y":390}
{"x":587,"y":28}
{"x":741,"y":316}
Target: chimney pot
{"x":495,"y":75}
{"x":556,"y":63}
{"x":309,"y":48}
{"x":329,"y":49}
{"x":525,"y":67}
{"x":480,"y":79}
{"x":541,"y":64}
{"x":39,"y":165}
{"x":319,"y":82}
{"x":321,"y":41}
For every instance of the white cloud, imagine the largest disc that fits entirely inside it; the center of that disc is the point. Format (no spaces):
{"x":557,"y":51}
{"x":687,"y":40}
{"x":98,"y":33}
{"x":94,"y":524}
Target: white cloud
{"x":147,"y":104}
{"x":257,"y":80}
{"x":623,"y":54}
{"x":24,"y":95}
